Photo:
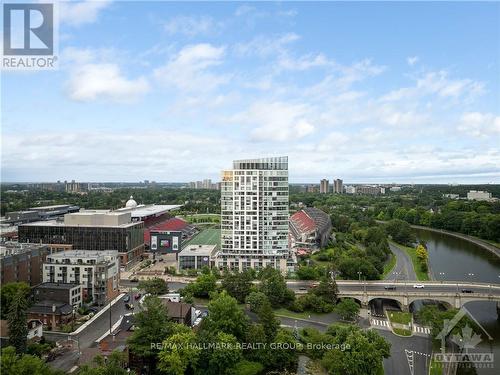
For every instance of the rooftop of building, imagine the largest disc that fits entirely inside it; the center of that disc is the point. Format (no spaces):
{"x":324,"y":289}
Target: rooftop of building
{"x":62,"y":286}
{"x":143,"y":210}
{"x":53,"y":207}
{"x":277,"y":163}
{"x":83,"y":254}
{"x":177,"y":309}
{"x":198,"y":250}
{"x":47,"y":307}
{"x":12,"y":248}
{"x":58,"y":223}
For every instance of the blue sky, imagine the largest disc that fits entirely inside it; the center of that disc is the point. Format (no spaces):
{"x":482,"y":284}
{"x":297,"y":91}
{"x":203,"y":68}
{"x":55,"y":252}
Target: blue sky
{"x":166,"y":91}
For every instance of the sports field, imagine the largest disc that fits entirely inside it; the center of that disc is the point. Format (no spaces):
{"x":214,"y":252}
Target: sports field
{"x":206,"y":237}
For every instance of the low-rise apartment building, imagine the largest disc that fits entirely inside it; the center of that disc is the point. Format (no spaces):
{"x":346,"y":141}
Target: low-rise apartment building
{"x":98,"y":272}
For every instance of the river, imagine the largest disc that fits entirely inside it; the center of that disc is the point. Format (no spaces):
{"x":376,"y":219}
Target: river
{"x":452,"y":258}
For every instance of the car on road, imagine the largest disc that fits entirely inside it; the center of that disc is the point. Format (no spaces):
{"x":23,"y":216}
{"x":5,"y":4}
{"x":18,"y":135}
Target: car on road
{"x":418,"y":286}
{"x":134,"y":280}
{"x":137,"y":296}
{"x":390,"y":287}
{"x":126,"y":298}
{"x":302,"y":288}
{"x":467,"y":291}
{"x":129,"y":306}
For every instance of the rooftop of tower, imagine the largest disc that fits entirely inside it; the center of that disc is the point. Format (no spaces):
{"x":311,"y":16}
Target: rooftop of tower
{"x":279,"y":162}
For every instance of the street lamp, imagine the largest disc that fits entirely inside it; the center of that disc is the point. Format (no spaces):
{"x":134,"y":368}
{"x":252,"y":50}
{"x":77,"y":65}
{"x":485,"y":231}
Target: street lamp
{"x":359,"y":275}
{"x":442,"y":276}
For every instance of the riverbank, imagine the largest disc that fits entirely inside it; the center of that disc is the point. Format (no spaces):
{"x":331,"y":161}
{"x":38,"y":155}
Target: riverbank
{"x":481,"y":243}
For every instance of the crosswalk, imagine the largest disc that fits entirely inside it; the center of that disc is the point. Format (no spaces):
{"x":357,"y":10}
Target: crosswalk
{"x":419,"y":329}
{"x":385,"y":323}
{"x":379,"y":322}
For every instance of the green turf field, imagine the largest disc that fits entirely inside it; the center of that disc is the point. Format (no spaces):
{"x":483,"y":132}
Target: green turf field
{"x":206,"y":237}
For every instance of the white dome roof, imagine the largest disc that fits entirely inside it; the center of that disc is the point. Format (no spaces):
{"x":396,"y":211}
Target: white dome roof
{"x":131,"y":203}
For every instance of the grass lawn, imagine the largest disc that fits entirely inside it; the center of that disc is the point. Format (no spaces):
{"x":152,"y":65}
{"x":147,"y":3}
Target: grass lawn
{"x":206,"y":237}
{"x":421,"y":276}
{"x":292,"y":314}
{"x":401,"y":332}
{"x":399,"y":317}
{"x":389,"y":266}
{"x":436,"y":368}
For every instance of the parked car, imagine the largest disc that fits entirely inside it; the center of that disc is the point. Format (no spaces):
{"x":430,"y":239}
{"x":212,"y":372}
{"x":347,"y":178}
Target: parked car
{"x":134,"y":280}
{"x":129,"y":306}
{"x":126,"y":298}
{"x":467,"y":291}
{"x":137,"y":296}
{"x":390,"y":287}
{"x":418,"y":286}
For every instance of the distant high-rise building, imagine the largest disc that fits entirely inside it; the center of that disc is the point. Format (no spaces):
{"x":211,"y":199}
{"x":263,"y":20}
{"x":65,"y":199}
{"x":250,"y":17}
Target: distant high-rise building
{"x":478,"y":195}
{"x":254,"y":215}
{"x":207,"y":184}
{"x":324,"y":186}
{"x":338,"y":186}
{"x":349,"y":189}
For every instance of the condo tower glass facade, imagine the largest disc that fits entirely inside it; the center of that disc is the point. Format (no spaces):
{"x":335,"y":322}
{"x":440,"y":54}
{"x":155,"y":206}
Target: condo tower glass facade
{"x":254,"y":214}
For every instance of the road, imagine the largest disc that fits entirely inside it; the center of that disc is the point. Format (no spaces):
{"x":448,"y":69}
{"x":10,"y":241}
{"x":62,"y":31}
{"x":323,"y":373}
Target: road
{"x":419,"y":352}
{"x":99,"y":326}
{"x":403,"y":270}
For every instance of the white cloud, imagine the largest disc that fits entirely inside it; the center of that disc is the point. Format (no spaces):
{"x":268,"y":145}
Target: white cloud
{"x":243,"y":9}
{"x":412,"y":60}
{"x":275,"y":121}
{"x":95,"y":81}
{"x":189,"y":69}
{"x":304,"y":62}
{"x":264,"y":46}
{"x":79,"y":13}
{"x":192,"y":25}
{"x":439,"y":84}
{"x":481,"y":125}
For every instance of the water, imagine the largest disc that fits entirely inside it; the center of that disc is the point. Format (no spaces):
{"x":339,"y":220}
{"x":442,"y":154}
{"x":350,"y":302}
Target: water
{"x":452,"y":258}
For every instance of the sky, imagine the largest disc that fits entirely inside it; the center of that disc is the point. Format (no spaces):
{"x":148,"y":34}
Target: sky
{"x":173,"y":92}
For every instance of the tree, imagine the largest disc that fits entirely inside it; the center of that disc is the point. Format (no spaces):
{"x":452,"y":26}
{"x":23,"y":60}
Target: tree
{"x":307,"y":273}
{"x":273,"y":285}
{"x":327,"y":289}
{"x":113,"y":365}
{"x":347,"y":308}
{"x":155,"y":286}
{"x":283,"y":356}
{"x":237,"y":285}
{"x":17,"y":322}
{"x":268,"y":320}
{"x":223,"y":359}
{"x":202,"y":287}
{"x":179,"y":353}
{"x":421,"y":252}
{"x":151,"y":327}
{"x":363,"y":354}
{"x":400,"y":231}
{"x":248,"y":368}
{"x":226,"y":316}
{"x":24,"y":364}
{"x":256,"y":300}
{"x":8,"y":291}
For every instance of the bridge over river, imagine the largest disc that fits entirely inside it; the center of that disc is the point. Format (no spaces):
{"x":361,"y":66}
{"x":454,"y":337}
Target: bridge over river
{"x":455,"y":294}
